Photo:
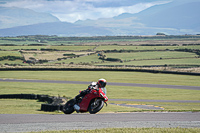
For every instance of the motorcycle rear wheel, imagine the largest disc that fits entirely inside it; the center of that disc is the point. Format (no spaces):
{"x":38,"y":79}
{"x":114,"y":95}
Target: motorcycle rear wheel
{"x":96,"y":106}
{"x":69,"y":107}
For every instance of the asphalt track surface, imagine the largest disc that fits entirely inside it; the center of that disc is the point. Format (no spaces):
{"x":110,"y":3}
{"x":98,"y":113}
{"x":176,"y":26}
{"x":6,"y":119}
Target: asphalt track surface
{"x":46,"y":122}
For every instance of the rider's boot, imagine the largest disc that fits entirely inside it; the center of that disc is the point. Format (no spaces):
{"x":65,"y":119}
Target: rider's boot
{"x":77,"y":108}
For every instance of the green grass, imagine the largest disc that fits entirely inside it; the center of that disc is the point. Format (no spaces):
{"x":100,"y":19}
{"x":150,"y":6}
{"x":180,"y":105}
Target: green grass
{"x":91,"y":59}
{"x":110,"y":76}
{"x":13,"y":62}
{"x":22,"y":47}
{"x":17,"y":42}
{"x":138,"y":48}
{"x":50,"y":55}
{"x":64,"y":48}
{"x":139,"y":59}
{"x":19,"y":106}
{"x":10,"y":53}
{"x":186,"y":61}
{"x":130,"y":130}
{"x":69,"y":90}
{"x":149,"y":55}
{"x":107,"y":47}
{"x":74,"y":48}
{"x":152,"y":93}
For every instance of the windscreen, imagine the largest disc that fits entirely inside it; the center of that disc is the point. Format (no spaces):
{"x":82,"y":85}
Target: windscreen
{"x":104,"y":90}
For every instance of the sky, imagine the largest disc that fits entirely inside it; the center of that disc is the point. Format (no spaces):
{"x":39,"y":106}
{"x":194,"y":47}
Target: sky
{"x":74,"y":10}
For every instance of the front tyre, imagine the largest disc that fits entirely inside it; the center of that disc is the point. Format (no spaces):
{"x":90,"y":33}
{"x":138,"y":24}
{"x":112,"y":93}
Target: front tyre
{"x":96,"y":106}
{"x":69,"y":107}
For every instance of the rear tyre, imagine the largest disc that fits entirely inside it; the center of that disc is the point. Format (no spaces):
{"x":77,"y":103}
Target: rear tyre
{"x":96,"y":106}
{"x":69,"y":107}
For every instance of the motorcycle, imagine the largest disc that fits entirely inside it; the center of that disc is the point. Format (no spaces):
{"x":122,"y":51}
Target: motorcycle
{"x":92,"y":102}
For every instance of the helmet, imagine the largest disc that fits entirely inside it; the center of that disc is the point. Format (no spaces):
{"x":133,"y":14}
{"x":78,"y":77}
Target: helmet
{"x":93,"y":85}
{"x":102,"y":83}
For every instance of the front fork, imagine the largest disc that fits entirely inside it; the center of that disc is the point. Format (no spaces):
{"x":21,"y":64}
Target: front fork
{"x":95,"y":102}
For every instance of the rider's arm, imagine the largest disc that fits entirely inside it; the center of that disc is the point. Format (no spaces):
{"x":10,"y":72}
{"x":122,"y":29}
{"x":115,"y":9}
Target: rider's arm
{"x":92,"y":85}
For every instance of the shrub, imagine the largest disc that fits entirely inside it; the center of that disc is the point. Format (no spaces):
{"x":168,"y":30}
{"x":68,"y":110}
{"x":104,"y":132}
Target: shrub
{"x":11,"y":58}
{"x":71,"y":55}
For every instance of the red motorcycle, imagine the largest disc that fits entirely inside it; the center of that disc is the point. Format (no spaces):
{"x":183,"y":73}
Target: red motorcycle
{"x":92,"y":102}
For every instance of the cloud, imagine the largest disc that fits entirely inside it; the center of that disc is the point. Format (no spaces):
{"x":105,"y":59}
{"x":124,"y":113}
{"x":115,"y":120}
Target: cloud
{"x":73,"y":10}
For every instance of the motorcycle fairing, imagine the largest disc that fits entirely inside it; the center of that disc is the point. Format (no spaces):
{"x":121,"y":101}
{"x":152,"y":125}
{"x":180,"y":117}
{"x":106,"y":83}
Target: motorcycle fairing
{"x":86,"y":100}
{"x":92,"y":95}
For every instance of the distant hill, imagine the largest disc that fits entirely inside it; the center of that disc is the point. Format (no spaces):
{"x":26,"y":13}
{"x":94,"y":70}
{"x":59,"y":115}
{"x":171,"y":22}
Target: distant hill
{"x":184,"y":16}
{"x":174,"y":18}
{"x":12,"y":17}
{"x":177,"y":17}
{"x":55,"y":28}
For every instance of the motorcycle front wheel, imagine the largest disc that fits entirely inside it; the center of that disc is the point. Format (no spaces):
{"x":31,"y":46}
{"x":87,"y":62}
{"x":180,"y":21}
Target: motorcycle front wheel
{"x":96,"y":105}
{"x":69,"y":107}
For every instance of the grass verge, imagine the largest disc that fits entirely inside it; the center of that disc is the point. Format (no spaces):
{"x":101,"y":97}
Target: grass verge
{"x":16,"y":106}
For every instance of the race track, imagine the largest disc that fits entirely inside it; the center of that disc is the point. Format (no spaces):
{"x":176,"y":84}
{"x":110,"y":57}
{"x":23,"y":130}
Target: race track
{"x":44,"y":122}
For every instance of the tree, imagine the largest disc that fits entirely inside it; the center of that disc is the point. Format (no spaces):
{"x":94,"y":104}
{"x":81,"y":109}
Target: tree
{"x":160,"y":34}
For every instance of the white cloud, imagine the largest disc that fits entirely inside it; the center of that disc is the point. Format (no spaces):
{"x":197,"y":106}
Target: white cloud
{"x":73,"y":10}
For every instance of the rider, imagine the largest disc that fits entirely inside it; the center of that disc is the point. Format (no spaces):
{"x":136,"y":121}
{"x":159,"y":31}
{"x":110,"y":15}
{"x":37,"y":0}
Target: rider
{"x":94,"y":85}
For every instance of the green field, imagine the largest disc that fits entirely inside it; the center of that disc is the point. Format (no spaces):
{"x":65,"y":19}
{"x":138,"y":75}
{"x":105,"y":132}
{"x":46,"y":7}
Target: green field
{"x":98,"y":47}
{"x":139,"y":59}
{"x":41,"y":50}
{"x":136,"y":58}
{"x":139,"y":48}
{"x":150,"y":55}
{"x":59,"y":47}
{"x":10,"y":53}
{"x":183,"y":62}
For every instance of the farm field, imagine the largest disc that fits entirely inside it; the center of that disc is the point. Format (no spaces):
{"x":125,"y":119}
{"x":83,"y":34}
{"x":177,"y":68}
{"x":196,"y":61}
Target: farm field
{"x":97,"y":48}
{"x":170,"y":62}
{"x":174,"y":53}
{"x":139,"y":48}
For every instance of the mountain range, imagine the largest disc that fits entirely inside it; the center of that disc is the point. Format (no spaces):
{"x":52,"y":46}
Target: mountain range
{"x":174,"y":18}
{"x":13,"y":16}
